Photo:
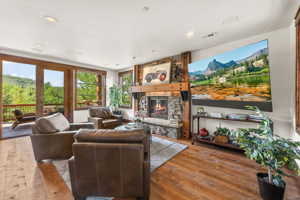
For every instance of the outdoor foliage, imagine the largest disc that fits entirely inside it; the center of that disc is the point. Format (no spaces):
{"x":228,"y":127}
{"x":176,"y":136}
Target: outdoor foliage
{"x":19,"y":90}
{"x":53,"y":95}
{"x":268,"y":150}
{"x":86,"y":87}
{"x":115,"y":96}
{"x":126,"y":82}
{"x":222,"y":131}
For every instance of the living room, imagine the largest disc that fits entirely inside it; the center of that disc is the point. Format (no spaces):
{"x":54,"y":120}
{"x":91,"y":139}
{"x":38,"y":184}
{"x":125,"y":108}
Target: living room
{"x":109,"y":100}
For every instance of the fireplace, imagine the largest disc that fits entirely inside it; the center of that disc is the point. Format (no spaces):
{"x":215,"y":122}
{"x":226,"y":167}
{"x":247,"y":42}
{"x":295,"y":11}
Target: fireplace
{"x":158,"y":107}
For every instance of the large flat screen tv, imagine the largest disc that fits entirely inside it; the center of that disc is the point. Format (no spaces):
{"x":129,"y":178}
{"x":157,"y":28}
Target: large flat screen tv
{"x":233,"y":79}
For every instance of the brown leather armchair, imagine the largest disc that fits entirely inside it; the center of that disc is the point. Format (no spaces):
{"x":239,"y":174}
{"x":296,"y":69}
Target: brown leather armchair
{"x":52,"y":137}
{"x":103,"y":118}
{"x":110,"y":163}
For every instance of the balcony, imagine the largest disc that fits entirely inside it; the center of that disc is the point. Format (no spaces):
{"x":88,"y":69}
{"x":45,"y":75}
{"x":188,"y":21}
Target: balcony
{"x":30,"y":110}
{"x":27,"y":110}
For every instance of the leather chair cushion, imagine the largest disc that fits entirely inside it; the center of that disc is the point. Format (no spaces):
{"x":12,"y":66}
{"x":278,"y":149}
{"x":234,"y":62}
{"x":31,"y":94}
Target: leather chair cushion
{"x":107,"y":114}
{"x":100,"y":112}
{"x":52,"y":124}
{"x":108,"y":169}
{"x":109,"y":121}
{"x":111,"y":124}
{"x":110,"y":136}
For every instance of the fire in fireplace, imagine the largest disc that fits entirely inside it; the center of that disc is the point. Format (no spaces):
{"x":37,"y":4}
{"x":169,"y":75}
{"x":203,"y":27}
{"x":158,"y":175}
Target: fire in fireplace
{"x":158,"y":107}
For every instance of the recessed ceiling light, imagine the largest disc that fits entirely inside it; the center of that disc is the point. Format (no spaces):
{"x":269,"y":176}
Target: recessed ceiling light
{"x":146,"y":8}
{"x":153,"y":51}
{"x":190,"y":34}
{"x":50,"y":19}
{"x":133,"y":58}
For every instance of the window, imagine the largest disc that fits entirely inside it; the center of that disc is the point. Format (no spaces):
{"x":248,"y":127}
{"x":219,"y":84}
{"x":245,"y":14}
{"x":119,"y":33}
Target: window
{"x":88,"y":90}
{"x":18,"y":89}
{"x":125,"y":82}
{"x":53,"y":92}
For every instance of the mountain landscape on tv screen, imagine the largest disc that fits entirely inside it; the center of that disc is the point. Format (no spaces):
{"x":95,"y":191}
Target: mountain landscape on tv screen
{"x":240,"y":75}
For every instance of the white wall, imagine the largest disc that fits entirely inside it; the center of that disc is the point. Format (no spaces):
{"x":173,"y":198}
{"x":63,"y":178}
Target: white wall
{"x":282,"y":80}
{"x":295,"y":136}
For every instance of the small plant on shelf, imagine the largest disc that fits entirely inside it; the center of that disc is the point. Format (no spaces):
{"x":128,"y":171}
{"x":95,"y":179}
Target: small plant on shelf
{"x":270,"y":151}
{"x":222,"y":135}
{"x":222,"y":131}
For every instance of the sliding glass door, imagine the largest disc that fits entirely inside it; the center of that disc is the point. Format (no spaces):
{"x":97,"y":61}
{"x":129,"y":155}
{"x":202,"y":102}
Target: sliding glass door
{"x":18,"y":97}
{"x":33,"y":88}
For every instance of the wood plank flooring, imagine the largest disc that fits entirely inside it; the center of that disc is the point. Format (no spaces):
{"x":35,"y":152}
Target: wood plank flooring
{"x":198,"y":173}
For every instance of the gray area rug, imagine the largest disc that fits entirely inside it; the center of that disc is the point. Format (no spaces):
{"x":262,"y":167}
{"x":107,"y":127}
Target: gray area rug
{"x":162,"y":150}
{"x":21,"y":130}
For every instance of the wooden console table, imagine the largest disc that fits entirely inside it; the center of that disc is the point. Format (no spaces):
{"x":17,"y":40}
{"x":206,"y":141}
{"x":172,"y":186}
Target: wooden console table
{"x":197,"y":139}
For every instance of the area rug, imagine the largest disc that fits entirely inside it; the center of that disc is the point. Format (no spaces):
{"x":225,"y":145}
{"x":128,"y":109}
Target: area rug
{"x":21,"y":130}
{"x":161,"y":150}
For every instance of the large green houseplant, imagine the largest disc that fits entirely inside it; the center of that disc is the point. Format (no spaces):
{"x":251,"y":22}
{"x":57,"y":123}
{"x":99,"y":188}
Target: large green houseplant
{"x":270,"y":151}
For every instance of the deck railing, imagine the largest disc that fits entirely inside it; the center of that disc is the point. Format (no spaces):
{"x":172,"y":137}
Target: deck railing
{"x":8,"y":114}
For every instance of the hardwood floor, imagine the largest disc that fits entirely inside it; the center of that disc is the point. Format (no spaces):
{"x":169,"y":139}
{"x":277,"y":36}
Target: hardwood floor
{"x":198,"y":173}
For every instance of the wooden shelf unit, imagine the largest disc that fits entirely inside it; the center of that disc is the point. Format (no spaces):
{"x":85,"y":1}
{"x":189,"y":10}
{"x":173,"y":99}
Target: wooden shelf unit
{"x":226,"y":145}
{"x":196,"y":139}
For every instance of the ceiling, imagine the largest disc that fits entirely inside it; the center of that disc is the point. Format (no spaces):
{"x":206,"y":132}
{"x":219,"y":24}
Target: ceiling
{"x":116,"y":34}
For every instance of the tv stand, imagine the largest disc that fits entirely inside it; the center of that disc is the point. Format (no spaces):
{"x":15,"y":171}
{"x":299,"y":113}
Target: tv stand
{"x":195,"y":136}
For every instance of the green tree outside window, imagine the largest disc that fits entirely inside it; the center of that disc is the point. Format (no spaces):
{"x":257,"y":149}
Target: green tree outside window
{"x":125,"y":80}
{"x":87,"y":92}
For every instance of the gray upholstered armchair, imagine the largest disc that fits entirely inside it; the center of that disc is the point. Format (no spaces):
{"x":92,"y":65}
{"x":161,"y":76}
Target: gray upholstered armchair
{"x":110,"y":163}
{"x":52,"y":137}
{"x":103,"y":118}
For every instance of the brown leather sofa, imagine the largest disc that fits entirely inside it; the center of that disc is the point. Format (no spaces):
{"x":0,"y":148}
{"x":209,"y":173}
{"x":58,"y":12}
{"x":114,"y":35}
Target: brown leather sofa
{"x":52,"y":137}
{"x":103,"y":118}
{"x":110,"y":163}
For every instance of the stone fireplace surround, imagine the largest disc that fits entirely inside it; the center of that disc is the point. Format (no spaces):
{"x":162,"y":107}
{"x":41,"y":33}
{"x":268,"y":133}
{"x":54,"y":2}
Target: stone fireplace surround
{"x":171,"y":126}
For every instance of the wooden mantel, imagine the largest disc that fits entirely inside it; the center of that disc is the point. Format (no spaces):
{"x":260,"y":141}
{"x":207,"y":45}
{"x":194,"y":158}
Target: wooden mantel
{"x":161,"y":87}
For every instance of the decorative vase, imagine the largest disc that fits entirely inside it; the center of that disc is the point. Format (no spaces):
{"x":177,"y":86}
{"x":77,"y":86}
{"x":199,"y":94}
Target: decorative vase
{"x":269,"y":191}
{"x":203,"y":132}
{"x":221,"y":139}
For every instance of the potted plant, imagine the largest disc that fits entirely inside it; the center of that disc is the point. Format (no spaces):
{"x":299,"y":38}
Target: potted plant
{"x":221,"y":135}
{"x":272,"y":152}
{"x":115,"y":96}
